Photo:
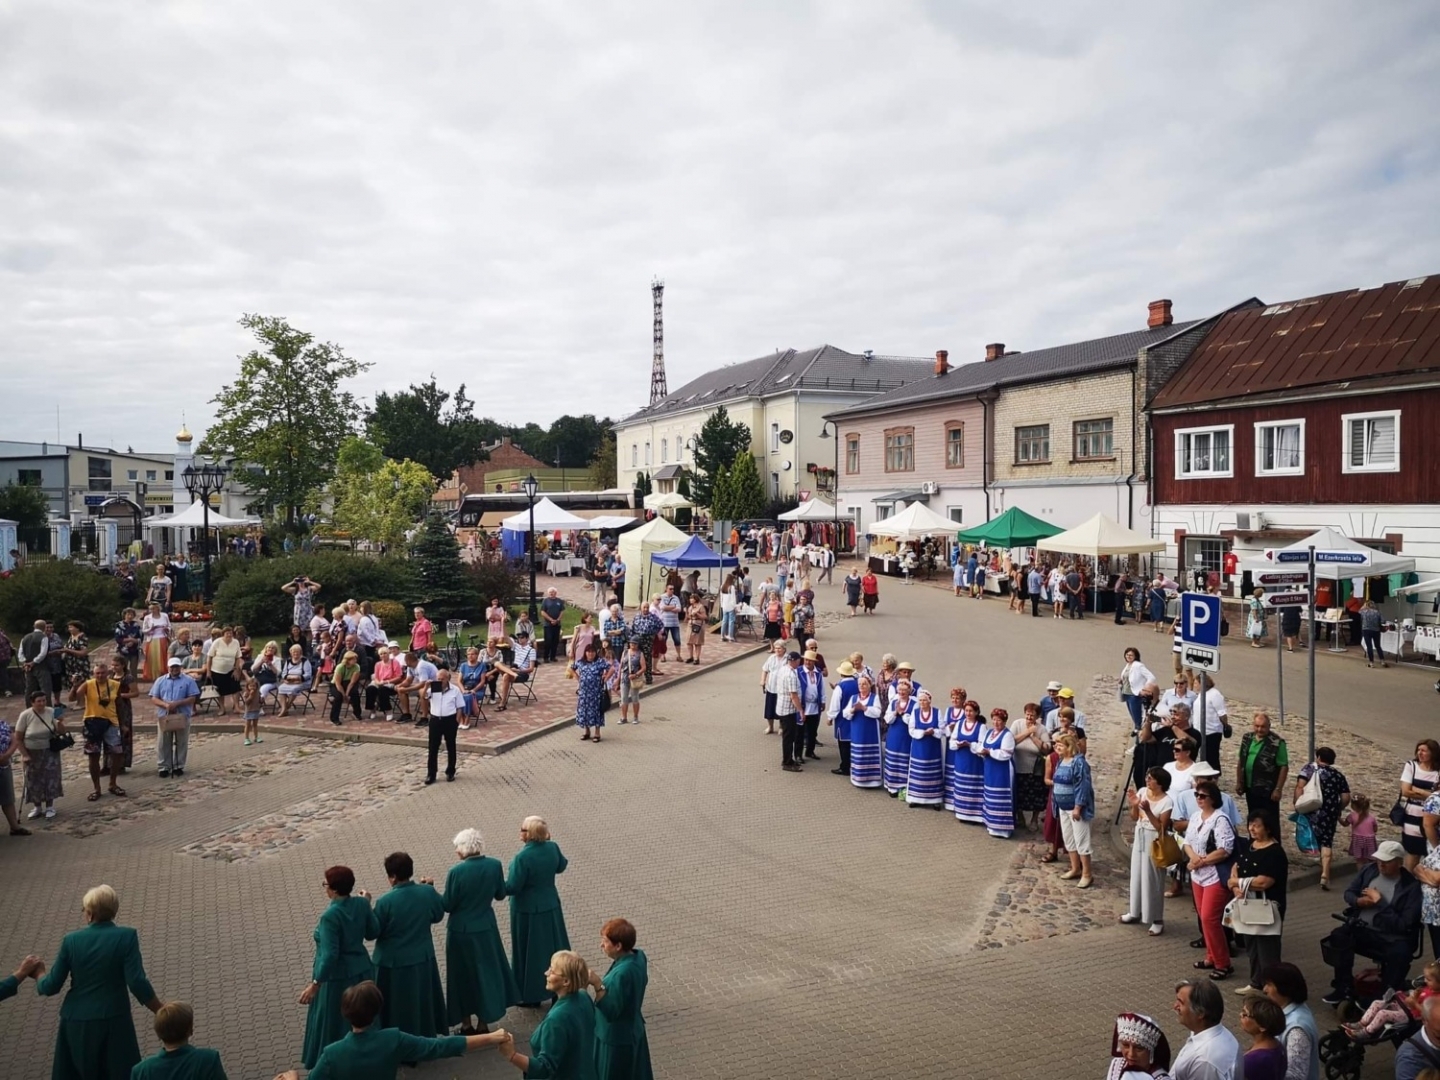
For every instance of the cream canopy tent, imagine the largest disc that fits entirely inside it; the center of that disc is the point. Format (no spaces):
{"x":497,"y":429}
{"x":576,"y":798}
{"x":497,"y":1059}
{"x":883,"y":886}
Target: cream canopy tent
{"x":811,"y":510}
{"x":636,"y":547}
{"x":1379,"y":563}
{"x":669,"y":500}
{"x":1101,"y":536}
{"x":548,"y":517}
{"x":193,"y":517}
{"x":915,"y":522}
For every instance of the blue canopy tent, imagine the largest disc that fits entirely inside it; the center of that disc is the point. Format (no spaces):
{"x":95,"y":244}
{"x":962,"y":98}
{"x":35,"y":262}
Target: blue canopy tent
{"x":695,"y":554}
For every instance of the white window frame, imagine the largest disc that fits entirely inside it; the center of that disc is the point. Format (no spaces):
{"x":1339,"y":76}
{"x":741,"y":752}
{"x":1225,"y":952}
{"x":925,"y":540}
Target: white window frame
{"x":664,"y":451}
{"x":774,"y":438}
{"x":1261,"y":426}
{"x":1350,"y":418}
{"x":647,"y":454}
{"x":1211,"y":474}
{"x":634,"y":455}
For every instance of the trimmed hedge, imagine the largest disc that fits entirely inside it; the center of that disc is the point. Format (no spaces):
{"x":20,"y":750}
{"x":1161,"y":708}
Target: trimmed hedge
{"x":250,"y":594}
{"x":59,"y":590}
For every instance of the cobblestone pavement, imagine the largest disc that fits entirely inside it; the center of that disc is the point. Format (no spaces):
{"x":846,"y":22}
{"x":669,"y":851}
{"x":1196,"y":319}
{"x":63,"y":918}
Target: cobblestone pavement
{"x":797,"y":926}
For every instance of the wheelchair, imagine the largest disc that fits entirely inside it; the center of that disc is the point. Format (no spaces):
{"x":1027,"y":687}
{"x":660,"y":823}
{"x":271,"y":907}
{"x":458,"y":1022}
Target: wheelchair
{"x":1342,"y":1051}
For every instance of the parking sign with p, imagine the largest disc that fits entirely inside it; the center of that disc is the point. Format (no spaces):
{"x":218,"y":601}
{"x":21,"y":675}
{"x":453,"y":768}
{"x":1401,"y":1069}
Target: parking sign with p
{"x":1200,"y":619}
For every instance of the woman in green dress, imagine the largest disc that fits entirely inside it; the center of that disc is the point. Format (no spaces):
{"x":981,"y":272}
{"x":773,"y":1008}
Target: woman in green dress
{"x":372,"y":1051}
{"x":405,"y":966}
{"x":479,"y":985}
{"x":537,"y":925}
{"x":563,"y":1046}
{"x":96,"y":1039}
{"x":622,"y":1050}
{"x":340,"y":961}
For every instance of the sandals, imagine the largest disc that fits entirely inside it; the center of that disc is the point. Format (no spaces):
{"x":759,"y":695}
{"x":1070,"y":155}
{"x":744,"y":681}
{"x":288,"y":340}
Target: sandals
{"x":118,"y":792}
{"x":1220,"y":974}
{"x":1052,"y":857}
{"x":94,"y":796}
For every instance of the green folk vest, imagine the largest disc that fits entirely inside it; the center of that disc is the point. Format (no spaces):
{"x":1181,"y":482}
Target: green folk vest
{"x":1264,"y":772}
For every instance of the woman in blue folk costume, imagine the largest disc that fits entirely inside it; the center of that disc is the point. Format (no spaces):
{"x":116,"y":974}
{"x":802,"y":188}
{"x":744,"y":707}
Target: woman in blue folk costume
{"x":925,"y":783}
{"x":953,"y":715}
{"x":997,"y":748}
{"x":840,"y":698}
{"x":897,"y":738}
{"x":864,"y":711}
{"x":968,"y":796}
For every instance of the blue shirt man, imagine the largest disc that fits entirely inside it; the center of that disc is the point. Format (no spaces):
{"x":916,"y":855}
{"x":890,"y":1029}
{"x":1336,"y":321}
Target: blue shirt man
{"x":174,"y":693}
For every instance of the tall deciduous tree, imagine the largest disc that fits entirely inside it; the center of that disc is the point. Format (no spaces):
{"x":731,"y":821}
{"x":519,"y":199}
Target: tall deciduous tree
{"x":428,"y":425}
{"x":720,"y":441}
{"x":604,"y":469}
{"x":377,"y":499}
{"x":285,"y":413}
{"x":29,"y":506}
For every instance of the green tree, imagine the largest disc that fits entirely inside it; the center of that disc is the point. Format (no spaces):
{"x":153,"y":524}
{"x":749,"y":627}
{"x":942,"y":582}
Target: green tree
{"x":604,"y":468}
{"x":377,"y":499}
{"x":574,"y":441}
{"x":29,"y":507}
{"x":446,"y":590}
{"x":285,"y":413}
{"x":747,"y":490}
{"x":720,"y":442}
{"x":683,"y":514}
{"x":722,"y":496}
{"x":416,"y":425}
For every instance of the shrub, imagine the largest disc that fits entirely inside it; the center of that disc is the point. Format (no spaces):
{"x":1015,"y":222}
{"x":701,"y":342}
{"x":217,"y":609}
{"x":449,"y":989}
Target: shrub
{"x":394,"y":616}
{"x":58,"y":590}
{"x":251,"y":595}
{"x":497,"y":579}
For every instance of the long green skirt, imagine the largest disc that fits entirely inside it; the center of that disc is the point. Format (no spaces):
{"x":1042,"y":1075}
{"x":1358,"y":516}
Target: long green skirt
{"x":323,"y":1023}
{"x":478,"y":979}
{"x":95,"y":1049}
{"x":623,"y":1062}
{"x":534,"y":938}
{"x":414,"y":999}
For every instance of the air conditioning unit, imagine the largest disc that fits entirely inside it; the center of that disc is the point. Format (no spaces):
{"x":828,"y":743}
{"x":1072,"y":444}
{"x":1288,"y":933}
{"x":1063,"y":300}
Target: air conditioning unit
{"x":929,"y":487}
{"x":1249,"y":521}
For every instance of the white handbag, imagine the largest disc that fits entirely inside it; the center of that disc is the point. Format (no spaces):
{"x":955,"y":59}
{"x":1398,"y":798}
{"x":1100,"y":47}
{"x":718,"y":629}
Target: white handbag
{"x":1254,"y":915}
{"x":1310,"y":798}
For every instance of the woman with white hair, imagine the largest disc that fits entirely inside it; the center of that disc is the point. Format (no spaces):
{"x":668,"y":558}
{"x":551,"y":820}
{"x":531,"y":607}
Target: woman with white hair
{"x":479,"y":985}
{"x":96,"y":1037}
{"x":537,"y":923}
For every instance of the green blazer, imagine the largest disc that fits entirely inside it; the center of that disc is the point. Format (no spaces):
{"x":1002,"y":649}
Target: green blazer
{"x":100,"y":961}
{"x":403,"y":918}
{"x":563,"y":1046}
{"x":471,"y":888}
{"x":531,"y":884}
{"x":340,"y":940}
{"x":617,"y":1014}
{"x":376,"y":1053}
{"x":9,"y":987}
{"x":184,"y":1063}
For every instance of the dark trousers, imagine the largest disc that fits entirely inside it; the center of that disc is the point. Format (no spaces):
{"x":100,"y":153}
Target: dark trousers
{"x":1119,"y":610}
{"x":1212,"y":749}
{"x":1350,"y":938}
{"x":844,"y":745}
{"x":379,"y":698}
{"x":792,"y":738}
{"x":1262,"y":951}
{"x":1371,"y":641}
{"x":1257,"y":797}
{"x":368,"y":659}
{"x":442,"y":727}
{"x":1072,"y":604}
{"x":337,"y":702}
{"x":1035,"y":604}
{"x":812,"y":733}
{"x":550,"y":649}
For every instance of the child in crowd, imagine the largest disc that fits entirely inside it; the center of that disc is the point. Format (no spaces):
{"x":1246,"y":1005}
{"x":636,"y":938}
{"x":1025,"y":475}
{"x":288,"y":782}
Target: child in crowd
{"x":1362,"y":829}
{"x":249,"y":704}
{"x":1401,"y":1009}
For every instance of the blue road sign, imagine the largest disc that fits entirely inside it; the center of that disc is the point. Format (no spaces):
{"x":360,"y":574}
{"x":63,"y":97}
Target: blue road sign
{"x":1200,"y":619}
{"x":1292,"y":556}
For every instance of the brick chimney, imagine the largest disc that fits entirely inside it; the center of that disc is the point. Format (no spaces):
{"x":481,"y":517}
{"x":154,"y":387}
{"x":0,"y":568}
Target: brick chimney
{"x":995,"y":350}
{"x":1159,"y":314}
{"x":942,"y":361}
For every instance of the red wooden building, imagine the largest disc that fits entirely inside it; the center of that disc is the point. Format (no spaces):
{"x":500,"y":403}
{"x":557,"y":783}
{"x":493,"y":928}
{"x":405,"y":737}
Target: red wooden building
{"x":1322,"y":411}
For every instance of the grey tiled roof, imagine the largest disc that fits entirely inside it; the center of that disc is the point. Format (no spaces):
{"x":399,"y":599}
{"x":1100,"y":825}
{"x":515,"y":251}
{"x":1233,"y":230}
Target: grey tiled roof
{"x":825,"y":368}
{"x":1061,"y":361}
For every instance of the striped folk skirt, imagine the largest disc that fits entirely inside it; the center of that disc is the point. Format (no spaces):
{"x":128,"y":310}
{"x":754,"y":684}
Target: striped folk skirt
{"x":925,"y":784}
{"x":967,"y":794}
{"x":999,"y":798}
{"x":865,"y":752}
{"x":897,"y":757}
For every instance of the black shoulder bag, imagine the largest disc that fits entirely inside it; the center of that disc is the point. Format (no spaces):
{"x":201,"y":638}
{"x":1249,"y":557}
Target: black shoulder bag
{"x":58,"y":742}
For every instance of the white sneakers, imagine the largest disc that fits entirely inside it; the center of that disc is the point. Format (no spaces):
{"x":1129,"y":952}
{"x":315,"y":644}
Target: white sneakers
{"x":34,"y":814}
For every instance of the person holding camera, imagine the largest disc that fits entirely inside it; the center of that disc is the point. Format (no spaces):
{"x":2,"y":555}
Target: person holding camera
{"x":98,"y":695}
{"x":447,"y":702}
{"x":303,"y":590}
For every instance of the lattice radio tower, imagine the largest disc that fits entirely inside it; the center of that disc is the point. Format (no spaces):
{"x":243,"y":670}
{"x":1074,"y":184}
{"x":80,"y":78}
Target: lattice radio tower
{"x":658,"y":390}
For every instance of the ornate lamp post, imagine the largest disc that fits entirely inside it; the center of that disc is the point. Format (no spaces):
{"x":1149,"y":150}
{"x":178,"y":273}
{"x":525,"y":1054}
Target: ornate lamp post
{"x":530,"y":486}
{"x":208,"y":479}
{"x":826,"y":433}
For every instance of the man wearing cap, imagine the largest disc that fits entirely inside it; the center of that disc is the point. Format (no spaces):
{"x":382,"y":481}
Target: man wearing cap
{"x":906,"y":670}
{"x":174,"y":693}
{"x":1065,"y":698}
{"x":520,"y":670}
{"x":789,"y":710}
{"x":1384,"y":900}
{"x":812,"y":703}
{"x":1051,"y":700}
{"x":846,"y":690}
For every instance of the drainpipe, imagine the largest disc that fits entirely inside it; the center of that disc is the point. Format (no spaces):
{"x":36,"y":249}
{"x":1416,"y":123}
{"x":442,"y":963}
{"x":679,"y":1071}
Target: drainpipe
{"x":1134,"y":450}
{"x":985,"y":403}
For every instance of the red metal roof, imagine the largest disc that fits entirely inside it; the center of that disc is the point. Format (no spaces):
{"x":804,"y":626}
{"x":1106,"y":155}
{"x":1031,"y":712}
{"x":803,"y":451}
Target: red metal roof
{"x":1340,"y":337}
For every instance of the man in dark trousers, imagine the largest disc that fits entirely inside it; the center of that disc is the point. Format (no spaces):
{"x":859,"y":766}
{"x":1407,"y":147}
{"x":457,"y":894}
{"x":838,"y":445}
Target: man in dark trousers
{"x":446,"y":704}
{"x":1074,"y":592}
{"x":1384,"y":899}
{"x":1262,"y":767}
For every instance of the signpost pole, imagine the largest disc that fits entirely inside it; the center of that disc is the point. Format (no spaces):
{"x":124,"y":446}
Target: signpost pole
{"x":1280,"y":666}
{"x":1311,"y":565}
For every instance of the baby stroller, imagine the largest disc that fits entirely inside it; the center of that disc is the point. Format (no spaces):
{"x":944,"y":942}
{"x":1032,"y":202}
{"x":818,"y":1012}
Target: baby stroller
{"x":1342,"y":1051}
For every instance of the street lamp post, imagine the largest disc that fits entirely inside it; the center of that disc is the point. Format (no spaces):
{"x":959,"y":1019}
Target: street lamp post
{"x":530,"y":486}
{"x":201,"y":483}
{"x":825,"y":432}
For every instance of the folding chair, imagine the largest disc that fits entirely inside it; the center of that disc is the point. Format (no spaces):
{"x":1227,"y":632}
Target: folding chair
{"x":525,"y":691}
{"x":209,"y":698}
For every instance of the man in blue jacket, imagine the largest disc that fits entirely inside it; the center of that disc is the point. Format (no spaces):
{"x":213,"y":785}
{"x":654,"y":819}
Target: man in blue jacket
{"x":1385,"y":900}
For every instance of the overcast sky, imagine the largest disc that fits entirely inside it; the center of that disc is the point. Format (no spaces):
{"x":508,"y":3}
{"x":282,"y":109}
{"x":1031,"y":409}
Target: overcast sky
{"x":484,"y":191}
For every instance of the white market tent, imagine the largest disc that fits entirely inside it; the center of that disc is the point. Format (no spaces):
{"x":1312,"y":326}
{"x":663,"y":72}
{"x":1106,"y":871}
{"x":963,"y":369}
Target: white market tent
{"x":1101,"y":536}
{"x":548,"y":517}
{"x":915,"y":522}
{"x":607,"y":522}
{"x":669,"y":500}
{"x":1380,"y":563}
{"x":1433,"y":585}
{"x":636,"y":547}
{"x":811,"y":510}
{"x":193,"y":517}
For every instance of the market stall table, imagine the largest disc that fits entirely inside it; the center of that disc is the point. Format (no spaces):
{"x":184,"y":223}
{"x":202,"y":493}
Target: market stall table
{"x":564,"y":564}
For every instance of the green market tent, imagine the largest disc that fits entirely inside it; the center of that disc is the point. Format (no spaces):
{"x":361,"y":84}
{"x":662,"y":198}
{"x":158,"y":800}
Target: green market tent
{"x":1012,"y":529}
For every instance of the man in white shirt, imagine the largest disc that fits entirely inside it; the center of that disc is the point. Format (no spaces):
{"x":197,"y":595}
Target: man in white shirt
{"x":789,"y":710}
{"x":1422,"y":1050}
{"x":446,"y":705}
{"x":520,"y":670}
{"x":419,"y":674}
{"x":1211,"y":1052}
{"x":1179,"y":694}
{"x":1217,"y":720}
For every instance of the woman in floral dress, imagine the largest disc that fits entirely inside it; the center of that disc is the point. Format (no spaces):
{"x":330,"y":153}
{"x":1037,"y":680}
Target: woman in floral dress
{"x":1428,"y":871}
{"x":1334,"y":797}
{"x":124,"y":710}
{"x":77,"y":654}
{"x":590,"y":700}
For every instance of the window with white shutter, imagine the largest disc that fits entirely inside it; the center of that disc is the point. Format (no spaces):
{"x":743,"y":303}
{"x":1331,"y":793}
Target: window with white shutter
{"x":1372,"y":442}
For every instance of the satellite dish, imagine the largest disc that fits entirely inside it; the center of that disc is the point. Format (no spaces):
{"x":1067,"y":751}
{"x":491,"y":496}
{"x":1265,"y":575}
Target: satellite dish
{"x":787,"y":437}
